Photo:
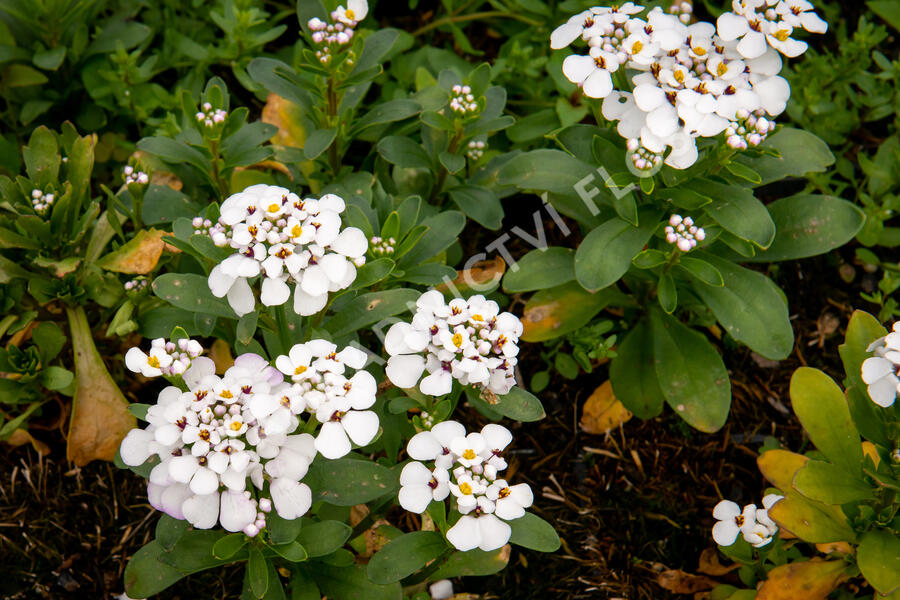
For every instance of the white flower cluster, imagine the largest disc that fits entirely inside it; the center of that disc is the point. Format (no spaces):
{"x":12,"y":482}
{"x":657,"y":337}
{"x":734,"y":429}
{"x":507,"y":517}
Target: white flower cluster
{"x":749,"y":129}
{"x":137,"y":284}
{"x":132,"y":176}
{"x":683,"y":233}
{"x":691,"y":80}
{"x":754,"y":524}
{"x":210,"y":117}
{"x":164,"y":358}
{"x":467,"y":467}
{"x":379,"y":246}
{"x":476,"y":149}
{"x":462,"y":101}
{"x":881,"y":372}
{"x":467,"y":340}
{"x":330,"y":36}
{"x":41,"y":202}
{"x":224,"y":431}
{"x":683,"y":10}
{"x":289,"y":241}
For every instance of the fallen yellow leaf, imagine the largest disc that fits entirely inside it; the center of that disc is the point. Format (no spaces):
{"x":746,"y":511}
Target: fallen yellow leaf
{"x":220,"y":354}
{"x":812,"y":580}
{"x":482,"y":277}
{"x":100,"y":417}
{"x":603,"y":411}
{"x":139,"y":256}
{"x":20,"y":437}
{"x":679,"y":582}
{"x":710,"y":564}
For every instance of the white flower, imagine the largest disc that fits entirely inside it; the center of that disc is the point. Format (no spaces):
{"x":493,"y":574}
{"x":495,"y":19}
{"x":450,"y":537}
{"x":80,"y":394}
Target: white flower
{"x":730,"y":521}
{"x":754,"y":524}
{"x":434,"y":445}
{"x":440,"y":590}
{"x":798,"y":13}
{"x":148,"y":365}
{"x":510,"y":501}
{"x":592,"y":72}
{"x":356,"y":11}
{"x":880,"y":372}
{"x":292,"y":500}
{"x":237,"y":510}
{"x":419,"y":486}
{"x":485,"y":531}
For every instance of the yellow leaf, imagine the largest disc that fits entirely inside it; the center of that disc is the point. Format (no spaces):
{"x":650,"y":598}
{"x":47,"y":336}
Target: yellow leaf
{"x":680,"y":582}
{"x":812,"y":580}
{"x":100,"y":417}
{"x":482,"y":275}
{"x":20,"y":437}
{"x":139,"y":256}
{"x":779,"y":467}
{"x":870,"y":451}
{"x":603,"y":411}
{"x":811,"y":521}
{"x":220,"y":354}
{"x":287,"y":117}
{"x":836,"y":547}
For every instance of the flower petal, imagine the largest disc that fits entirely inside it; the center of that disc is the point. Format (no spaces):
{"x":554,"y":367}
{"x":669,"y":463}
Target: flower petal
{"x":332,"y":441}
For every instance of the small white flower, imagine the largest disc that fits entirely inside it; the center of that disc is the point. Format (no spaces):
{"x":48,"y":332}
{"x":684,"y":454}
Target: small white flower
{"x":730,"y":521}
{"x":486,"y":532}
{"x":880,"y":372}
{"x":356,"y":11}
{"x":419,"y":486}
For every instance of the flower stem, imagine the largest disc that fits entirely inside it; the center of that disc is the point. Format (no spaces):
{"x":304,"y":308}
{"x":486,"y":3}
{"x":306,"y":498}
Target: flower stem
{"x":487,"y":14}
{"x":284,"y":332}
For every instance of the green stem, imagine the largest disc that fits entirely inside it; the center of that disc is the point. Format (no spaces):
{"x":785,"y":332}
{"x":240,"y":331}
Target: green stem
{"x":284,"y":332}
{"x":487,"y":14}
{"x":442,"y":175}
{"x":334,"y":160}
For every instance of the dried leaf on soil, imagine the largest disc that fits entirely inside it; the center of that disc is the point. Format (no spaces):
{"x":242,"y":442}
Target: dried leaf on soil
{"x":812,"y":580}
{"x":603,"y":411}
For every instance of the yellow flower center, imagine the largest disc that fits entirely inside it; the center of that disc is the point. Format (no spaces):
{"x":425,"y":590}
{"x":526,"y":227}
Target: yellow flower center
{"x":296,"y":230}
{"x":782,"y":34}
{"x":477,"y":318}
{"x":721,"y":69}
{"x":226,"y":394}
{"x":504,"y":492}
{"x":457,"y":340}
{"x":700,"y":51}
{"x":252,"y":230}
{"x":469,"y":454}
{"x":236,"y":425}
{"x":637,"y":47}
{"x":350,"y":14}
{"x":679,"y":76}
{"x":300,"y":370}
{"x":466,"y":489}
{"x":273,"y":207}
{"x":153,"y":362}
{"x":285,"y":402}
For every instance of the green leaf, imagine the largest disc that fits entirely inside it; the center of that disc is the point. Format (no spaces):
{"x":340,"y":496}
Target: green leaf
{"x":324,"y":537}
{"x":405,"y":555}
{"x":282,"y":531}
{"x":42,"y":157}
{"x":738,"y":211}
{"x":246,"y":327}
{"x":366,"y":309}
{"x":878,"y":557}
{"x":318,"y":141}
{"x":650,"y":258}
{"x":229,"y":545}
{"x":403,"y":152}
{"x":194,"y":551}
{"x":479,"y":204}
{"x":292,"y":551}
{"x":809,"y":225}
{"x":750,"y":307}
{"x":551,"y":171}
{"x":800,"y":152}
{"x":541,"y":269}
{"x":633,"y":375}
{"x":51,"y":59}
{"x":862,"y":330}
{"x":607,"y":251}
{"x":175,"y":152}
{"x":454,"y":163}
{"x":824,"y":482}
{"x":145,"y":575}
{"x":388,"y":112}
{"x":667,"y":294}
{"x":691,"y":374}
{"x":443,"y":230}
{"x":190,"y":292}
{"x":352,"y":583}
{"x":348,"y":482}
{"x":169,"y":530}
{"x":56,"y":378}
{"x":685,"y":198}
{"x":17,"y":75}
{"x":258,"y":572}
{"x":11,"y":239}
{"x":701,"y":270}
{"x":372,"y":272}
{"x":520,"y":405}
{"x":472,"y":563}
{"x":531,"y":531}
{"x":743,"y":172}
{"x":822,"y":409}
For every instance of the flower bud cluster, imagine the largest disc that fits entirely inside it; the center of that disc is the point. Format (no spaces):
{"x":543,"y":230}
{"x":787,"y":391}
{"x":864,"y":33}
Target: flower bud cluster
{"x":462,"y":101}
{"x":330,"y":37}
{"x":683,"y":233}
{"x":210,"y":117}
{"x":642,"y":158}
{"x":683,"y":10}
{"x":748,"y":129}
{"x":133,"y":176}
{"x":41,"y":202}
{"x":476,"y":149}
{"x":164,"y":358}
{"x":138,"y":284}
{"x":382,"y":247}
{"x":467,"y":467}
